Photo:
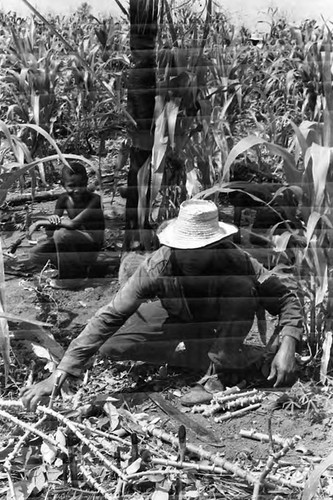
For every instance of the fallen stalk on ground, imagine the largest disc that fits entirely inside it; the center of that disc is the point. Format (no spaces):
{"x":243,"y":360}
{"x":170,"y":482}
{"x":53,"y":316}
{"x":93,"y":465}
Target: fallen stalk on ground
{"x":102,"y":446}
{"x":228,"y":402}
{"x":237,"y":413}
{"x":92,"y":481}
{"x":32,"y":429}
{"x":15,"y":451}
{"x":95,"y":451}
{"x":203,"y":454}
{"x":218,"y":460}
{"x":271,"y":461}
{"x":264,"y":438}
{"x":222,"y":398}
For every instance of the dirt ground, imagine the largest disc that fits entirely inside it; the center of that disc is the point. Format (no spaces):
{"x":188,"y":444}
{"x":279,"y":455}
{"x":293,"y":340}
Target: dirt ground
{"x":69,"y":311}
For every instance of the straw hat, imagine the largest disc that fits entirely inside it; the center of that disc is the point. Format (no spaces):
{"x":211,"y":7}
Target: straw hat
{"x":196,"y":226}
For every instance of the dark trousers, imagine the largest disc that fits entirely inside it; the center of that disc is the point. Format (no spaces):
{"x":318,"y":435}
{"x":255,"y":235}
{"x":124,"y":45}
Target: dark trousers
{"x":71,"y":251}
{"x":151,"y":335}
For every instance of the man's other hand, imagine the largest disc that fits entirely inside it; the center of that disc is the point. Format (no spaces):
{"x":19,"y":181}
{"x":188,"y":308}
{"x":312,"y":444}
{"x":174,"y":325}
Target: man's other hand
{"x":283,"y":366}
{"x":54,"y":219}
{"x":33,"y":394}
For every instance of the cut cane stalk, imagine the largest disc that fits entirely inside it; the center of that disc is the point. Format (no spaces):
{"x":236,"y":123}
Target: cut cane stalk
{"x":203,"y":454}
{"x":33,"y":430}
{"x":264,"y":438}
{"x":237,"y":413}
{"x":272,"y":460}
{"x":221,"y":398}
{"x":93,"y":449}
{"x":243,"y":402}
{"x":234,"y":402}
{"x":92,"y":481}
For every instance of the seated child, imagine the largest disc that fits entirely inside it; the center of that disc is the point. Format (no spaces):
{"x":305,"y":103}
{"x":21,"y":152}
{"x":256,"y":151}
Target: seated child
{"x":72,"y":244}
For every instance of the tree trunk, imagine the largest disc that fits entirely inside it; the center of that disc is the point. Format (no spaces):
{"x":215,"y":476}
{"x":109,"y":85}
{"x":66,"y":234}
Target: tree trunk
{"x":141,"y":103}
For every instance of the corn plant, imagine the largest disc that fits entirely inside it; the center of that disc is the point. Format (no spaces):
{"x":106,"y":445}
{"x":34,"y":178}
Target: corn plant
{"x":30,"y":74}
{"x":74,"y":91}
{"x":64,"y":86}
{"x":18,"y":158}
{"x":307,"y":165}
{"x":211,"y":89}
{"x":192,"y":131}
{"x":4,"y":330}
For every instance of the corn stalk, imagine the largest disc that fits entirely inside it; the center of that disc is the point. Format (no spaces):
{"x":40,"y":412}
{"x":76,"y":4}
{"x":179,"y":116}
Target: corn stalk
{"x":4,"y":330}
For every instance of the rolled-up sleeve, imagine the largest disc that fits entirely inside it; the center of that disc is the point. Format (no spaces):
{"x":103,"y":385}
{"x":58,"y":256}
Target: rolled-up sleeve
{"x":140,"y":287}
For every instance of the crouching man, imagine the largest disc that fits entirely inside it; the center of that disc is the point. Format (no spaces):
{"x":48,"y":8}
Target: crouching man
{"x":203,"y":292}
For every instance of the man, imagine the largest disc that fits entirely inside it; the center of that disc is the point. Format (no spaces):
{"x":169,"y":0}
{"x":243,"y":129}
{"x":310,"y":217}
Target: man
{"x":72,"y":243}
{"x":203,"y":291}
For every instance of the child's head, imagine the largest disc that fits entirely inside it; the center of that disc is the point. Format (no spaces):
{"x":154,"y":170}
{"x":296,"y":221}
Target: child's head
{"x":74,"y":178}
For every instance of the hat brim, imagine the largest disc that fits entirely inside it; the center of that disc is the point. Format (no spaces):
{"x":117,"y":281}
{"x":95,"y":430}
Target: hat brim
{"x":169,"y":237}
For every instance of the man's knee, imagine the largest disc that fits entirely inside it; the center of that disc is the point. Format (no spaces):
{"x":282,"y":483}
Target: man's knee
{"x":117,"y":349}
{"x":122,"y":349}
{"x":62,"y":235}
{"x":42,"y":253}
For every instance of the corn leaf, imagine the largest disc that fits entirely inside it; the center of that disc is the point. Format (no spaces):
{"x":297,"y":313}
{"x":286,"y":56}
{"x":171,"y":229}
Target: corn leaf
{"x":47,"y":136}
{"x":36,"y":335}
{"x":328,"y":92}
{"x":41,"y":170}
{"x":15,"y":175}
{"x":20,"y":319}
{"x":312,"y":482}
{"x":231,"y":187}
{"x":326,"y":356}
{"x":14,"y":147}
{"x":206,"y":109}
{"x":143,"y":183}
{"x":159,"y":148}
{"x":171,"y":111}
{"x":155,"y":186}
{"x":4,"y":330}
{"x":320,"y":262}
{"x":311,"y":225}
{"x":293,"y":176}
{"x":122,"y":8}
{"x":311,"y":131}
{"x":193,"y":185}
{"x":160,"y":137}
{"x":319,"y":158}
{"x":280,"y":241}
{"x":300,"y":137}
{"x":35,"y":107}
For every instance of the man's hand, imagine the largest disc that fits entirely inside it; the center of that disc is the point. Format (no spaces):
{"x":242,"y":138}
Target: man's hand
{"x":284,"y":365}
{"x":41,"y":223}
{"x":33,"y":394}
{"x":36,"y":225}
{"x":55,"y":220}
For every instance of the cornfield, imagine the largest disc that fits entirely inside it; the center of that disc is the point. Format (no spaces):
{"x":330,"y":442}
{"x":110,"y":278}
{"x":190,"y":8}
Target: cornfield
{"x":221,"y":104}
{"x":223,"y":108}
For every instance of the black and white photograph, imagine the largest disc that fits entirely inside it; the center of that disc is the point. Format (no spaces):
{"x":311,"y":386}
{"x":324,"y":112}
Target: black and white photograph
{"x":166,"y":250}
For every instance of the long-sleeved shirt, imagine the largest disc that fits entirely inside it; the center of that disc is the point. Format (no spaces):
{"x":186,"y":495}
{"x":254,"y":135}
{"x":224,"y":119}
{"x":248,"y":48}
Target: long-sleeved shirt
{"x":191,"y":286}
